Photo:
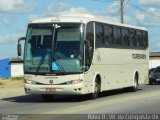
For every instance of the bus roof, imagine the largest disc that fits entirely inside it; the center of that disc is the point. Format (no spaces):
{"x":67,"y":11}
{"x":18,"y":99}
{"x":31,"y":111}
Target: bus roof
{"x":81,"y":18}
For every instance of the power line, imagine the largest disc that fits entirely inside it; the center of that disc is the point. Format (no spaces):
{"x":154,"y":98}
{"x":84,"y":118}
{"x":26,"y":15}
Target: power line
{"x":123,"y":4}
{"x":144,"y":11}
{"x":126,"y":3}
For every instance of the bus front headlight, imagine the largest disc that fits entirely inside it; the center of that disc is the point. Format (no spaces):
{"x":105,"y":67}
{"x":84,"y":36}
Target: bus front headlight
{"x":74,"y":82}
{"x":30,"y":82}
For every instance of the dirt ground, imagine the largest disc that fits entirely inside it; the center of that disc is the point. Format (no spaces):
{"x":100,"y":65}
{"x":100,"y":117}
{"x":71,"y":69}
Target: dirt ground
{"x":8,"y":83}
{"x":9,"y":87}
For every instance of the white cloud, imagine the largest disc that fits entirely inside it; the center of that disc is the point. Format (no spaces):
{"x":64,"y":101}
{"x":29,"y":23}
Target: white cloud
{"x":9,"y":38}
{"x":58,"y":7}
{"x":149,"y":2}
{"x":33,"y":16}
{"x":8,"y":45}
{"x":55,"y":9}
{"x":140,"y":17}
{"x":113,"y":8}
{"x":17,"y":6}
{"x":151,"y":14}
{"x":66,"y":8}
{"x":77,"y":10}
{"x":148,"y":18}
{"x":63,"y":8}
{"x":5,"y":20}
{"x":111,"y":12}
{"x":151,"y":9}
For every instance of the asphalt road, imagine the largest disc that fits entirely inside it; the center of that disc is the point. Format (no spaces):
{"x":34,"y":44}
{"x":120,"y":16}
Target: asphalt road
{"x":145,"y":100}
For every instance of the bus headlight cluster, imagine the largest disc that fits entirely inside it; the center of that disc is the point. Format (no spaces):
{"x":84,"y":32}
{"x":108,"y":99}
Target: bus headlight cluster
{"x":30,"y":82}
{"x":74,"y":82}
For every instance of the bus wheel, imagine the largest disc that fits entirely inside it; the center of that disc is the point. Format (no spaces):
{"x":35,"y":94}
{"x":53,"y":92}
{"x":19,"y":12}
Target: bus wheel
{"x":135,"y":85}
{"x":96,"y":90}
{"x":150,"y":82}
{"x":47,"y":98}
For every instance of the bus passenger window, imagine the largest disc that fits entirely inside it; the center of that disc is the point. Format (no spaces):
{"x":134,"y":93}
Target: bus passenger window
{"x":99,"y":35}
{"x":108,"y":35}
{"x":133,"y":38}
{"x":145,"y":39}
{"x":125,"y":37}
{"x":117,"y":36}
{"x":140,"y":39}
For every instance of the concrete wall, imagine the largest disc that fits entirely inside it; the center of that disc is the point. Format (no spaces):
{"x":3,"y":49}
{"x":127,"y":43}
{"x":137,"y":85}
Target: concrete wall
{"x":16,"y":69}
{"x":154,"y":63}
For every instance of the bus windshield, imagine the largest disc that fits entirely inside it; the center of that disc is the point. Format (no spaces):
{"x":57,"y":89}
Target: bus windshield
{"x":54,"y":48}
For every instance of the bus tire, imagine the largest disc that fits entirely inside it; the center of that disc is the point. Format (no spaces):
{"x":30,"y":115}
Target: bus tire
{"x":134,"y":88}
{"x":96,"y":90}
{"x":47,"y":97}
{"x":150,"y":82}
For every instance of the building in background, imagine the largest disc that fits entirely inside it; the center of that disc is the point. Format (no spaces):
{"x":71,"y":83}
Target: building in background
{"x":11,"y":68}
{"x":154,"y":59}
{"x":16,"y":67}
{"x":5,"y":68}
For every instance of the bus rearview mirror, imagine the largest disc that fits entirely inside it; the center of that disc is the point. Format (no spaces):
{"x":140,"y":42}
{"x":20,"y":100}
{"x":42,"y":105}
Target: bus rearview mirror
{"x":19,"y":49}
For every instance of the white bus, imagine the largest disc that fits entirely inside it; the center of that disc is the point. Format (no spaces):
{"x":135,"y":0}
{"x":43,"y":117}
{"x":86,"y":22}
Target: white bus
{"x":82,"y":54}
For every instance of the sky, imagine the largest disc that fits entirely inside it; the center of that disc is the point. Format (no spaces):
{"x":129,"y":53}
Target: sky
{"x":16,"y":14}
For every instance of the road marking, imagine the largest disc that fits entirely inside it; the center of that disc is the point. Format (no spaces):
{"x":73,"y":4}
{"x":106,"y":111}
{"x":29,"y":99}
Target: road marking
{"x":95,"y":103}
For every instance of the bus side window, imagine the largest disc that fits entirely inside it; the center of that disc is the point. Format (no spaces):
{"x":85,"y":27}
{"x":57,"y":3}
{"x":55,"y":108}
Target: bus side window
{"x":99,"y":35}
{"x":140,"y":39}
{"x":125,"y":37}
{"x":133,"y":38}
{"x":117,"y":36}
{"x":145,"y":37}
{"x":108,"y":35}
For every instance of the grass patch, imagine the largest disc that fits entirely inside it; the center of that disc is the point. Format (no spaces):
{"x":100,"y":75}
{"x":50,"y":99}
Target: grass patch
{"x":2,"y":83}
{"x":17,"y":78}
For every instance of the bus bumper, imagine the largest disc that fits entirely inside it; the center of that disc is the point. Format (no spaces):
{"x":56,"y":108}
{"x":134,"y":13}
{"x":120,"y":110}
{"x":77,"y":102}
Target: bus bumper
{"x":54,"y":89}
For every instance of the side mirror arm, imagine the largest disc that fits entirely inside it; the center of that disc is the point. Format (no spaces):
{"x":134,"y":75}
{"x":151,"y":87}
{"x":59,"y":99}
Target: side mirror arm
{"x":20,"y":39}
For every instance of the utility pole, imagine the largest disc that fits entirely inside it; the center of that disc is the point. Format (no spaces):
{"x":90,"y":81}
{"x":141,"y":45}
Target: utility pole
{"x":121,"y":10}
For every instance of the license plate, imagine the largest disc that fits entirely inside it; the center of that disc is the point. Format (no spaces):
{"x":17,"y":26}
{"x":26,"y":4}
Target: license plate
{"x":50,"y":90}
{"x":157,"y":79}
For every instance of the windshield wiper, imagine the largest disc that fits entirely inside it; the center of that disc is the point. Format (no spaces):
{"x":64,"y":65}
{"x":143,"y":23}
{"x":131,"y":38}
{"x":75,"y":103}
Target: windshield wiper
{"x":40,"y":63}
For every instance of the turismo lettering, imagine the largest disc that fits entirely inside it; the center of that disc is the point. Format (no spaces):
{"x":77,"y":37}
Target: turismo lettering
{"x":138,"y":56}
